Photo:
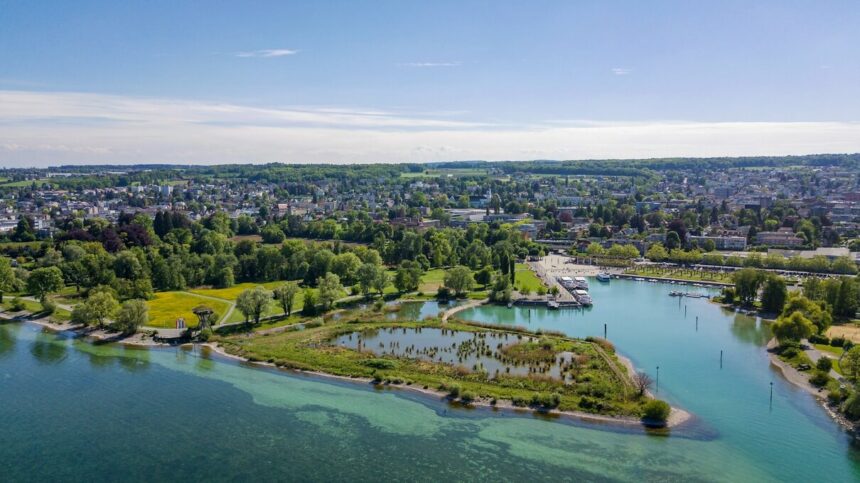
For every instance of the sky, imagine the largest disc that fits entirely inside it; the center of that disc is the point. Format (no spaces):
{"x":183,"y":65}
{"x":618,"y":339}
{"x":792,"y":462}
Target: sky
{"x":107,"y":82}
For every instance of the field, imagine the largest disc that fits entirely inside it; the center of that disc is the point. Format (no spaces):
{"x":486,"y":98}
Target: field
{"x":166,"y":307}
{"x":848,"y":332}
{"x":526,"y":279}
{"x":231,"y":293}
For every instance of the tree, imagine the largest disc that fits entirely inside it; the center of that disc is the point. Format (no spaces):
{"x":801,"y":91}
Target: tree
{"x":330,"y":289}
{"x":98,"y":307}
{"x":815,"y":312}
{"x":7,"y":277}
{"x":272,"y":234}
{"x":847,"y":298}
{"x":747,"y":282}
{"x":408,"y":276}
{"x":253,"y":303}
{"x":643,"y":382}
{"x":131,"y":316}
{"x":673,"y":240}
{"x":793,"y":328}
{"x":43,"y":281}
{"x":368,"y":273}
{"x":459,"y":279}
{"x":850,"y":363}
{"x":309,"y":302}
{"x":381,"y":281}
{"x":773,"y":295}
{"x":286,"y":295}
{"x":656,"y":253}
{"x":484,"y":276}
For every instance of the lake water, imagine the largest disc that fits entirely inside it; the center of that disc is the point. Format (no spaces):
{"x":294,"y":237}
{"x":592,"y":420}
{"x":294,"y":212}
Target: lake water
{"x":70,"y":410}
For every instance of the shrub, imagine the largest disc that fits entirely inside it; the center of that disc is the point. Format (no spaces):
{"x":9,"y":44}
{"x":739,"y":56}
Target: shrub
{"x":601,"y":342}
{"x":204,"y":334}
{"x":454,"y":390}
{"x":837,"y":342}
{"x":48,"y":306}
{"x":656,"y":410}
{"x":17,"y":305}
{"x":789,"y":352}
{"x":819,"y":379}
{"x":819,"y":339}
{"x":824,"y":364}
{"x":519,"y":401}
{"x":467,"y":396}
{"x":380,"y":363}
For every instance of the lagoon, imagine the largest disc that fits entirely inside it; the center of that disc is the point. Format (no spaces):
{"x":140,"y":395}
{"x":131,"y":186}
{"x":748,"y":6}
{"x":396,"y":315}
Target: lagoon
{"x":71,"y":410}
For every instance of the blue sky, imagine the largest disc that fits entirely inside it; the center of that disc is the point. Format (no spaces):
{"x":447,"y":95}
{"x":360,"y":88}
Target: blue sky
{"x":329,"y":81}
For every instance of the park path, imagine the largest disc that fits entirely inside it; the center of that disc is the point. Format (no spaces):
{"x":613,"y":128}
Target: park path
{"x":475,"y":303}
{"x":60,"y":305}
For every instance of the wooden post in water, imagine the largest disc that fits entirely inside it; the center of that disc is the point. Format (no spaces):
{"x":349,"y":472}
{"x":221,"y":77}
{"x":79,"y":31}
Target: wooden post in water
{"x":721,"y":358}
{"x":657,"y":385}
{"x":771,"y":394}
{"x":697,"y":323}
{"x":604,"y":331}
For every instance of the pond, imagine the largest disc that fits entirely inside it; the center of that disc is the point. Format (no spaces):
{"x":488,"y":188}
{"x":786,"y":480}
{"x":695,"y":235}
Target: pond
{"x":473,"y":351}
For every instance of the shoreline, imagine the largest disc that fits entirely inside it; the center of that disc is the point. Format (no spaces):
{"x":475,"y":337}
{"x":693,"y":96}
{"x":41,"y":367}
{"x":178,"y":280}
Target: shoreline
{"x":676,"y":418}
{"x":799,"y":380}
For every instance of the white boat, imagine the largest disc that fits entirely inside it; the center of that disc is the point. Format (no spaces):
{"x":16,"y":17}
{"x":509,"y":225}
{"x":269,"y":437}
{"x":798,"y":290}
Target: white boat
{"x":580,"y":282}
{"x":604,"y":277}
{"x":582,"y":297}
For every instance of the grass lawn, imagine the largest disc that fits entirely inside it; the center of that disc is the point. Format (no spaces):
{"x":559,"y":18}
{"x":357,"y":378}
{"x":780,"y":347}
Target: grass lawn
{"x":166,"y":307}
{"x":273,"y":309}
{"x":526,"y":279}
{"x":431,"y":281}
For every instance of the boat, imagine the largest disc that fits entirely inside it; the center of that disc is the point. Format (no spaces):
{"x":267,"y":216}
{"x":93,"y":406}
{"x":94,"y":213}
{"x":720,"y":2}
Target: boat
{"x":582,"y":297}
{"x":604,"y":277}
{"x":580,"y":283}
{"x":639,"y":279}
{"x":552,"y":305}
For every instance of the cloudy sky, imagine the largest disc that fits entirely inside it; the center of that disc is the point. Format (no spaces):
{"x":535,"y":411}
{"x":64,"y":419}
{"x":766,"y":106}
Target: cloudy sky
{"x":215,"y":82}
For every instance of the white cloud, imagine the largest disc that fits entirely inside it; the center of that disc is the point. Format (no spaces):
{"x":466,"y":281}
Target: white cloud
{"x":267,"y":53}
{"x":620,"y":71}
{"x":431,"y":64}
{"x":44,"y":128}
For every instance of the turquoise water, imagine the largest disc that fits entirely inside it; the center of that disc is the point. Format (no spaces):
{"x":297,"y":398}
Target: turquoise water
{"x":70,"y":410}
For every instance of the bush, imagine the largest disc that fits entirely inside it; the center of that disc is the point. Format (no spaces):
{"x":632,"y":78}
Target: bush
{"x":443,"y":293}
{"x":819,"y":379}
{"x":48,"y":306}
{"x":819,"y":339}
{"x":789,"y":352}
{"x":17,"y":305}
{"x":204,"y":334}
{"x":837,"y":342}
{"x":454,"y":390}
{"x":824,"y":364}
{"x":467,"y":396}
{"x":380,"y":363}
{"x":656,"y":410}
{"x":519,"y":402}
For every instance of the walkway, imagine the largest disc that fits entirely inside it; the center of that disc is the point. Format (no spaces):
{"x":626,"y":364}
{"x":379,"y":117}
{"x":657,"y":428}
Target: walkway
{"x":474,"y":303}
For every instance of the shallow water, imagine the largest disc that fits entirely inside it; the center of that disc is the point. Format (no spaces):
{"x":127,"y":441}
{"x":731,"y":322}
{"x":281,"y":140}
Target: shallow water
{"x":70,"y":410}
{"x":476,"y":352}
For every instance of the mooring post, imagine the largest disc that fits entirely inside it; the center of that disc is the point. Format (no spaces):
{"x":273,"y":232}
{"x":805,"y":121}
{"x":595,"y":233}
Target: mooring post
{"x":771,"y":394}
{"x":721,"y":358}
{"x":657,"y":385}
{"x":604,"y":331}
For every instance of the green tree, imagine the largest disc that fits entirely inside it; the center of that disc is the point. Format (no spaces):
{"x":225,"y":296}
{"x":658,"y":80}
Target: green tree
{"x":309,"y":302}
{"x":330,"y":290}
{"x":7,"y":277}
{"x":484,"y":276}
{"x":368,"y":273}
{"x":131,"y":316}
{"x":98,"y":307}
{"x":286,"y":295}
{"x":656,"y":253}
{"x":747,"y":282}
{"x":773,"y":295}
{"x":381,"y":281}
{"x":850,"y":363}
{"x":253,"y":303}
{"x":793,"y":328}
{"x":408,"y":276}
{"x":459,"y":280}
{"x":815,"y":312}
{"x":43,"y":281}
